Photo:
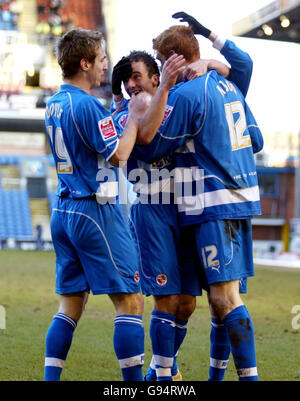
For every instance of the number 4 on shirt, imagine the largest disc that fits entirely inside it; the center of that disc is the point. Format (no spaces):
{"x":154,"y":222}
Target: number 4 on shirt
{"x":64,"y":166}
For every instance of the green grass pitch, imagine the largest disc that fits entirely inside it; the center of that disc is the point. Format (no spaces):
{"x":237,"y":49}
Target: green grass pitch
{"x":27,"y":294}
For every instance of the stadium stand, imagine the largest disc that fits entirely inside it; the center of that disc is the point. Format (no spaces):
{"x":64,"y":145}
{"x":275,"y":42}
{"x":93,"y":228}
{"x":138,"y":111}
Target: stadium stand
{"x":20,"y":212}
{"x":56,"y":17}
{"x":9,"y":14}
{"x":15,"y":216}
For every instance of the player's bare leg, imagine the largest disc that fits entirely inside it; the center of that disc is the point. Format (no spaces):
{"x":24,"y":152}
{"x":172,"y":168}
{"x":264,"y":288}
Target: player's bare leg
{"x":131,"y":304}
{"x":224,"y":297}
{"x":166,"y":303}
{"x":73,"y":305}
{"x":186,"y":307}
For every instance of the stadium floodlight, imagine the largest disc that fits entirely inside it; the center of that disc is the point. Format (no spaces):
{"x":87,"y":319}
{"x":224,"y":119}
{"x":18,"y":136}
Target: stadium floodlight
{"x":284,"y":21}
{"x":267,"y":30}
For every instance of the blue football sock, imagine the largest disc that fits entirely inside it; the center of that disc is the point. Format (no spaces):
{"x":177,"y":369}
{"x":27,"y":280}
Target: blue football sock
{"x":174,"y":369}
{"x":180,"y":333}
{"x":58,"y":342}
{"x":219,"y":350}
{"x":162,"y":334}
{"x":241,"y":332}
{"x":129,"y":346}
{"x":150,"y":376}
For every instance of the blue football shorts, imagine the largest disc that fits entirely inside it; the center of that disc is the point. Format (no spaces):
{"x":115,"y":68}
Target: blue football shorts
{"x":169,"y":263}
{"x":225,"y":250}
{"x":94,"y":248}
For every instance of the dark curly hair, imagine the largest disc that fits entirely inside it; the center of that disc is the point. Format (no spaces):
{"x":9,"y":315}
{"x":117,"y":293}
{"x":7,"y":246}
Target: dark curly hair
{"x":148,"y":60}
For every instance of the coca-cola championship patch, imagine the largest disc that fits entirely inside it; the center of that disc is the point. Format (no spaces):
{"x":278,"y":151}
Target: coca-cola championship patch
{"x":107,"y":128}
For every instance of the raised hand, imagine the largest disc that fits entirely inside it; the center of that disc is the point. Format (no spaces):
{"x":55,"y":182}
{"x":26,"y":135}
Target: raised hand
{"x":197,"y":28}
{"x":174,"y":65}
{"x":121,"y":72}
{"x":139,"y":104}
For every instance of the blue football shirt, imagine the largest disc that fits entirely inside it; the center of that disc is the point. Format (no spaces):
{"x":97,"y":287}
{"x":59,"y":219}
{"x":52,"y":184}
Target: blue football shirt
{"x":213,"y":135}
{"x":83,"y":137}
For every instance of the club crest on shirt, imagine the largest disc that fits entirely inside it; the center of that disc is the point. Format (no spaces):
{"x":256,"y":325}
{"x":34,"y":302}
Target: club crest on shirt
{"x":161,"y":279}
{"x":107,"y":128}
{"x":168,"y":111}
{"x":136,"y":276}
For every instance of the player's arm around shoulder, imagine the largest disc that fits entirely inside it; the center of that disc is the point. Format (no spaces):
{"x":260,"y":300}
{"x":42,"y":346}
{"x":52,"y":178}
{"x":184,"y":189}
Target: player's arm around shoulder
{"x":200,"y":67}
{"x":152,"y":119}
{"x":137,"y":107}
{"x":241,"y":64}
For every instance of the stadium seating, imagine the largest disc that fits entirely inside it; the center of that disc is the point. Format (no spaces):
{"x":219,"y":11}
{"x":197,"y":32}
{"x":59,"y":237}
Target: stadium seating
{"x":17,"y":214}
{"x":9,"y":159}
{"x":15,"y":217}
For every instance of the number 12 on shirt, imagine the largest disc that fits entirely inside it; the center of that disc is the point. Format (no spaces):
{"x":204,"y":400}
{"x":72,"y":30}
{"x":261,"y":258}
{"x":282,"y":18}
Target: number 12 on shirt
{"x":238,"y":127}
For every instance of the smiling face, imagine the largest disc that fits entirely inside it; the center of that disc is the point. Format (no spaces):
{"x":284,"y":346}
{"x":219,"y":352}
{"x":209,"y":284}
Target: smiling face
{"x":140,"y":80}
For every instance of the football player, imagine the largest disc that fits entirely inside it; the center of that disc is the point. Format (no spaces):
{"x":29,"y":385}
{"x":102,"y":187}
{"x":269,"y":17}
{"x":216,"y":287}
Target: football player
{"x":168,"y":258}
{"x":209,"y":118}
{"x":93,"y":245}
